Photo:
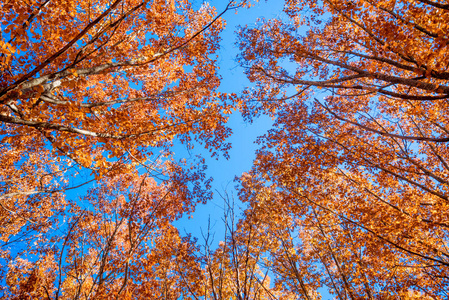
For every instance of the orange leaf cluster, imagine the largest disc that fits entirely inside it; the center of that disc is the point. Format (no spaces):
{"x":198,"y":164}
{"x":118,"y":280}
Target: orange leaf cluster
{"x":92,"y":96}
{"x":353,"y":181}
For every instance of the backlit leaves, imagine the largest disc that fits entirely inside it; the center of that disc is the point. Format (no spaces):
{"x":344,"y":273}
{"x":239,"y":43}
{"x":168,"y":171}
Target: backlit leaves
{"x":358,"y":157}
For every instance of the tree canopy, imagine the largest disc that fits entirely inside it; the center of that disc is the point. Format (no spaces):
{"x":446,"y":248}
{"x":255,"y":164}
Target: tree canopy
{"x":356,"y":168}
{"x":92,"y":93}
{"x":348,"y":196}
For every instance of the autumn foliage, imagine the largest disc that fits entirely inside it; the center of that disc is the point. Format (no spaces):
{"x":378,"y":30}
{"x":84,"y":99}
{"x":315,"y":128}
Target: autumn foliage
{"x":348,"y":196}
{"x":93,"y":94}
{"x":353,"y":180}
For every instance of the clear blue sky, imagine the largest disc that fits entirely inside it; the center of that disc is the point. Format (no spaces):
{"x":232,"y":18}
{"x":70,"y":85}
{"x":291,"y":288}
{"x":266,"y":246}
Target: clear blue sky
{"x":244,"y":135}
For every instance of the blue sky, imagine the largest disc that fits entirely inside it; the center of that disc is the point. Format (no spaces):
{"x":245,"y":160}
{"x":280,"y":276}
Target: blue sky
{"x":244,"y":134}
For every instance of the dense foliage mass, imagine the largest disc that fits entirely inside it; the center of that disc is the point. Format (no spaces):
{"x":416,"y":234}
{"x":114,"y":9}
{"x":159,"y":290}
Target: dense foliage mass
{"x":92,"y":94}
{"x":349,"y":193}
{"x":353,"y":181}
